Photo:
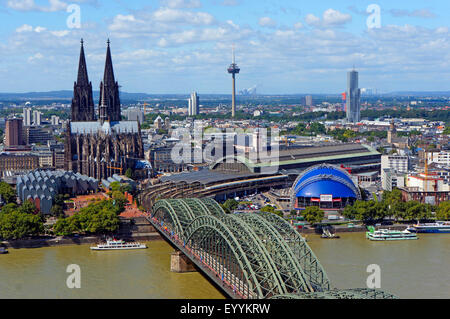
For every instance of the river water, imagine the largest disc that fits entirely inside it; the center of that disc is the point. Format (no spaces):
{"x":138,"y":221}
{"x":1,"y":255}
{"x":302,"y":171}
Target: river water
{"x":409,"y":269}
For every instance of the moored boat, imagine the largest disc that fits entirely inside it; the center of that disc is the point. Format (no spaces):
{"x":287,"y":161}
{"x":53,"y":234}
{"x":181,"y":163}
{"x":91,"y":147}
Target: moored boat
{"x":3,"y":250}
{"x":437,"y":227}
{"x":386,"y":234}
{"x":117,"y":244}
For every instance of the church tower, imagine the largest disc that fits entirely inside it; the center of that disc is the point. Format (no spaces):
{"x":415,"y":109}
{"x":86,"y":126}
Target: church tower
{"x":82,"y":102}
{"x":109,"y":93}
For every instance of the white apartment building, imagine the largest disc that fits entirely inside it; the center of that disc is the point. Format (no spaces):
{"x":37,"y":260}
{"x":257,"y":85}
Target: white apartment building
{"x":442,"y":157}
{"x":27,"y":113}
{"x":399,"y":163}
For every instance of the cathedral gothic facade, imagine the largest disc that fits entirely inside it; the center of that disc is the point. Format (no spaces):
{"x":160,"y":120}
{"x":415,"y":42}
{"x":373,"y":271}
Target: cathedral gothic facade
{"x":104,"y":145}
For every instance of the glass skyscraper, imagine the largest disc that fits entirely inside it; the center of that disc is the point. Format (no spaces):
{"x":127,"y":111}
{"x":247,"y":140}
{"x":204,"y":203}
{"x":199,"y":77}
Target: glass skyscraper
{"x":353,"y":104}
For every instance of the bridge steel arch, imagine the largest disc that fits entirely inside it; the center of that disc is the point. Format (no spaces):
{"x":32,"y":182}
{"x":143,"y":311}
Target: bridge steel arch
{"x":258,"y":255}
{"x":209,"y":236}
{"x":258,"y":261}
{"x":290,"y":269}
{"x":315,"y":274}
{"x":358,"y":293}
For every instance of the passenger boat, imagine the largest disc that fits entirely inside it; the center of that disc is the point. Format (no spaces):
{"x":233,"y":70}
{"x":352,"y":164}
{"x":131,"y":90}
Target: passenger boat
{"x":326,"y":234}
{"x":437,"y":227}
{"x":386,"y":234}
{"x":117,"y":244}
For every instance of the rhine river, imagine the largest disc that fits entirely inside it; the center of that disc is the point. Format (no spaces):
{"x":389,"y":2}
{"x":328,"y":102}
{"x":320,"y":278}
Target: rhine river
{"x":409,"y":269}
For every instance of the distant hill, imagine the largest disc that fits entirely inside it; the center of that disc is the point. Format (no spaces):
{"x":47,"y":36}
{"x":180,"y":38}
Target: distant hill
{"x":63,"y":96}
{"x":419,"y":93}
{"x":66,"y":95}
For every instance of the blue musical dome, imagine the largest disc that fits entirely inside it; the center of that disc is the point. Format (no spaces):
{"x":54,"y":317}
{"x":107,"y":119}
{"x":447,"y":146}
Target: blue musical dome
{"x":325,"y":179}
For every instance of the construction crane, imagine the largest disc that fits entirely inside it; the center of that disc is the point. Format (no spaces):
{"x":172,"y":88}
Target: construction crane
{"x":116,"y":168}
{"x":426,"y":173}
{"x":145,"y":108}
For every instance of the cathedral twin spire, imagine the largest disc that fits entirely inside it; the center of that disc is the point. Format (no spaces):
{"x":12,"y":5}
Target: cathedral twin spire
{"x":109,"y":102}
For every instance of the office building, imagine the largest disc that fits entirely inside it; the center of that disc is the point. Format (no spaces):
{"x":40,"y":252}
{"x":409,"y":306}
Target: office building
{"x":308,"y":100}
{"x":353,"y":103}
{"x":27,"y":113}
{"x":13,"y":133}
{"x":37,"y":118}
{"x":194,"y":105}
{"x":397,"y":163}
{"x":55,"y":120}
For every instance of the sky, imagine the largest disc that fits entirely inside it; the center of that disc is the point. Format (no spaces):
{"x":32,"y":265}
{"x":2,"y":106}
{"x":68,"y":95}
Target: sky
{"x":179,"y":46}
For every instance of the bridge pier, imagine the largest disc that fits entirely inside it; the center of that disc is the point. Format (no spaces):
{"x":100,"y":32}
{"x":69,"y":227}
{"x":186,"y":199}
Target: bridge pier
{"x":180,"y":263}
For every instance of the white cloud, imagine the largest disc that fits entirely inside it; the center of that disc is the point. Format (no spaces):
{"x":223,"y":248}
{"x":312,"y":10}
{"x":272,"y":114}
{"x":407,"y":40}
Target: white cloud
{"x":311,"y":19}
{"x":298,"y":25}
{"x":37,"y":56}
{"x":419,"y":13}
{"x":53,"y":5}
{"x":60,"y":34}
{"x":24,"y":28}
{"x":21,"y":5}
{"x":267,"y":22}
{"x":330,"y":18}
{"x":182,"y":4}
{"x":30,"y":5}
{"x":168,"y":15}
{"x":39,"y":29}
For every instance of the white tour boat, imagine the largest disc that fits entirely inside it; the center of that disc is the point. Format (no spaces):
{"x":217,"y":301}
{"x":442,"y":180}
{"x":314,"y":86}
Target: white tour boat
{"x":117,"y":244}
{"x":386,"y":234}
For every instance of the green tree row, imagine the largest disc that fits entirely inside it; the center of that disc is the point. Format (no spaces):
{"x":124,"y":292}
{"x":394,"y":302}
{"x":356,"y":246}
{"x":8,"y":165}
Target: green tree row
{"x":393,"y":206}
{"x":18,"y":222}
{"x":97,"y":218}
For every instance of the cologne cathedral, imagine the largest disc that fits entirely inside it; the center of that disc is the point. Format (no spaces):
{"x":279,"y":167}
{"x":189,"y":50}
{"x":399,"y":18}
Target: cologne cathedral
{"x":104,"y":145}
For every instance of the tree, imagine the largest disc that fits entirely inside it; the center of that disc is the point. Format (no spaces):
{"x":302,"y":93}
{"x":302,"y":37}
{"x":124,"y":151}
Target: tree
{"x":28,"y":207}
{"x":443,"y":211}
{"x":417,"y":211}
{"x":16,"y":224}
{"x":57,"y":210}
{"x":120,"y":200}
{"x":447,"y":130}
{"x":115,"y":186}
{"x":97,"y":218}
{"x":230,"y":204}
{"x":368,"y":212}
{"x":7,"y":193}
{"x":313,"y":214}
{"x":129,"y":173}
{"x":393,"y":202}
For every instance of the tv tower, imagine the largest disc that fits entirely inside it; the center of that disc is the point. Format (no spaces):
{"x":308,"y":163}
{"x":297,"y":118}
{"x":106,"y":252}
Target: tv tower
{"x":233,"y":69}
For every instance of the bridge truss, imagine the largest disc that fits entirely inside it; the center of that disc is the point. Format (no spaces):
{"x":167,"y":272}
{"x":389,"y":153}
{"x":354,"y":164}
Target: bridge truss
{"x":251,"y":256}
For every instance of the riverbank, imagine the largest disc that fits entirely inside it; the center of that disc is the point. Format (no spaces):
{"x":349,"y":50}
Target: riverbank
{"x":356,"y":229}
{"x":66,"y":241}
{"x":131,"y":229}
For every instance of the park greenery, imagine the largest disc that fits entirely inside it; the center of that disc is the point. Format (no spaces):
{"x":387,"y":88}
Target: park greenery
{"x":18,"y":222}
{"x":313,"y":215}
{"x":443,"y":211}
{"x":447,"y":130}
{"x":7,"y":193}
{"x":391,"y":206}
{"x":230,"y":205}
{"x":97,"y":218}
{"x":271,"y":209}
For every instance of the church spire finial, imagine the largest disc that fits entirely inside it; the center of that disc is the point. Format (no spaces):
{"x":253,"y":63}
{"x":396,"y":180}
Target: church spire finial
{"x":82,"y":42}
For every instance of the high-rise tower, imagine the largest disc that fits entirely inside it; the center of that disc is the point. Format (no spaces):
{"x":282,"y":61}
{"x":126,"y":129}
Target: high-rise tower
{"x":233,"y":69}
{"x":109,"y":92}
{"x":353,"y":105}
{"x":82,"y":102}
{"x":194,"y":104}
